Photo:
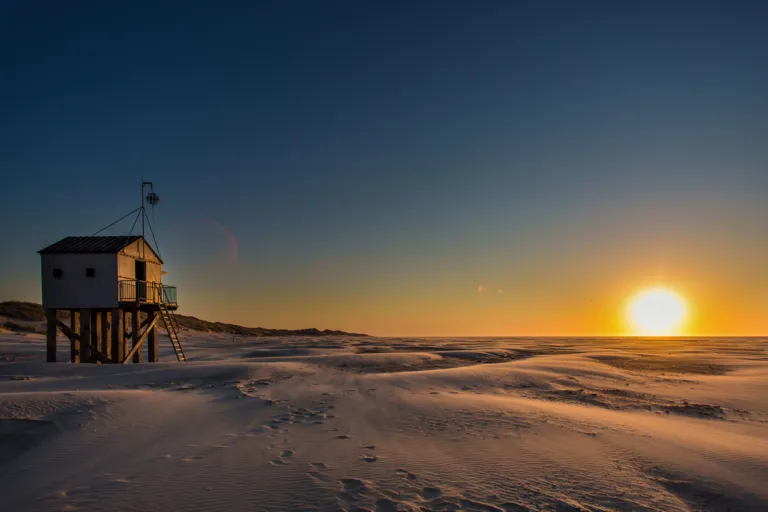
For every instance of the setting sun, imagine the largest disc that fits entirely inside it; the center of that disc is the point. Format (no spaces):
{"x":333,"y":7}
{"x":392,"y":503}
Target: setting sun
{"x":656,"y":311}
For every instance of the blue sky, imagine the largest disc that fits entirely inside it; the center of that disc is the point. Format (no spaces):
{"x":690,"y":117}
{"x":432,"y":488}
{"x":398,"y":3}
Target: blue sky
{"x":376,"y":162}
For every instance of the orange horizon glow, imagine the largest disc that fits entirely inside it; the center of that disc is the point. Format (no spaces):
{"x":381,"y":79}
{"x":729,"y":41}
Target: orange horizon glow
{"x":484,"y":311}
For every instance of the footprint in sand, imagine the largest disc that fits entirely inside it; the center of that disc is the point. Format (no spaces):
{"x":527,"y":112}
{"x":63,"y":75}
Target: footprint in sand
{"x":369,"y":446}
{"x":369,"y":458}
{"x":405,"y":474}
{"x":353,"y":484}
{"x":431,"y":493}
{"x":320,"y":466}
{"x":286,"y":453}
{"x":343,"y":436}
{"x":278,"y":462}
{"x":386,"y":505}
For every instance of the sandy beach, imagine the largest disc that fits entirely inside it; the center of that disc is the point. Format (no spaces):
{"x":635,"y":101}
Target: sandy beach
{"x":337,"y":423}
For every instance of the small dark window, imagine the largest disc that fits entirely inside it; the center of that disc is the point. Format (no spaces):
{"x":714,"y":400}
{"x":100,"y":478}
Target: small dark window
{"x":57,"y":273}
{"x":90,"y":272}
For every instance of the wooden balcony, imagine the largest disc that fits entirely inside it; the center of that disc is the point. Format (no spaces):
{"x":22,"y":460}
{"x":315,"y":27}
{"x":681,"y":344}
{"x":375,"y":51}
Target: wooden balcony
{"x":143,"y":292}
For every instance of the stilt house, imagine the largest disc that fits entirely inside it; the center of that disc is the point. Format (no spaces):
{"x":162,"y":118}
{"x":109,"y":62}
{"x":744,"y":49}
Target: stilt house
{"x":112,"y":288}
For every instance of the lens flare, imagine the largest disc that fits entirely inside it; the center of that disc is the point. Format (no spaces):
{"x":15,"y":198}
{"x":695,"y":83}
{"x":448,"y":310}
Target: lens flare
{"x":225,"y":241}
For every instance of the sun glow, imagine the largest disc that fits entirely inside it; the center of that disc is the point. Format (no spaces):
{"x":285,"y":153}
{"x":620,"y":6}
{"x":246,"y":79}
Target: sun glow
{"x":656,"y":312}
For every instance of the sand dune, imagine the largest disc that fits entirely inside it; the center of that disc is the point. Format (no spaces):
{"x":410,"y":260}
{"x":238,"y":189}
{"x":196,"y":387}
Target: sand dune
{"x":329,"y":423}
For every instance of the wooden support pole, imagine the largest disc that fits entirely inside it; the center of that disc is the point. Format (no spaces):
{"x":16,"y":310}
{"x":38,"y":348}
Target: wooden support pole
{"x":152,"y":355}
{"x":50,"y":339}
{"x":95,"y":353}
{"x":67,"y":331}
{"x":118,"y":336}
{"x":126,"y":334}
{"x":124,"y":349}
{"x":95,"y":330}
{"x":106,"y":344}
{"x":98,"y":357}
{"x":74,"y":325}
{"x":85,"y":335}
{"x":135,"y":343}
{"x":139,"y":341}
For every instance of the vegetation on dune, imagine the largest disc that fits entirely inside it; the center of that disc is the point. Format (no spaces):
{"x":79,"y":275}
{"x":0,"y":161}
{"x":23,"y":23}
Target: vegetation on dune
{"x":13,"y":326}
{"x":195,"y":324}
{"x":25,"y":311}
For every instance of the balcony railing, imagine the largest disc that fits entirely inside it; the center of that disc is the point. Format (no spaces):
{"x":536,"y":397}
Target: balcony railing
{"x":132,"y":290}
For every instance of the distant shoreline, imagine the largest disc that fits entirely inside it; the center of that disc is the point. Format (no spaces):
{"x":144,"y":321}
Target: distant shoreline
{"x":24,"y":316}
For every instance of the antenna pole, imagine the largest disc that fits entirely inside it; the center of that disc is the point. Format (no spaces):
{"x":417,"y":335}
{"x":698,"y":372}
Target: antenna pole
{"x":143,"y":255}
{"x":152,"y":199}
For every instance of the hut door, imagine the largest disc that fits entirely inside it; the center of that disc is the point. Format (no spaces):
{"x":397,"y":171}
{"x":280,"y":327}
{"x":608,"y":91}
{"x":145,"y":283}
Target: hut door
{"x":141,"y":280}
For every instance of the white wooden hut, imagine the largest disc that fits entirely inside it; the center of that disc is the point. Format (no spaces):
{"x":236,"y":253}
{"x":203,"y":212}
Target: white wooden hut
{"x":101,"y":281}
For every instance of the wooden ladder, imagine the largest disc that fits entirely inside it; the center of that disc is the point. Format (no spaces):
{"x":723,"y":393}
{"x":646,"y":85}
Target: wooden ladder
{"x":172,"y":328}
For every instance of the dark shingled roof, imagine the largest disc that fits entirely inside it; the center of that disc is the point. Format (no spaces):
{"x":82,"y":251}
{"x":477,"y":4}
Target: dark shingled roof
{"x":91,"y":244}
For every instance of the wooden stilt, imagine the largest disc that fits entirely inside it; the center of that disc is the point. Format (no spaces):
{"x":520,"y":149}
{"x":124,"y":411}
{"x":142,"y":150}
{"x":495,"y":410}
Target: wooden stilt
{"x":135,"y":316}
{"x":126,"y":332}
{"x":95,"y":354}
{"x":74,"y":325}
{"x":152,"y":355}
{"x":50,"y":341}
{"x":118,"y":336}
{"x":106,"y":344}
{"x":95,"y":329}
{"x":85,"y":334}
{"x":137,"y":345}
{"x":99,"y":335}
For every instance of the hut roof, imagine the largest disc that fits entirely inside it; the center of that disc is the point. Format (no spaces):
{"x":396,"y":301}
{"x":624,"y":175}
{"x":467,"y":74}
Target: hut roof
{"x":93,"y":244}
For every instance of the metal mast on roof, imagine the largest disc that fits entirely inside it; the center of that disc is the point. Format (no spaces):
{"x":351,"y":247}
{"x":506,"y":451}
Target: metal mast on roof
{"x":152,"y":199}
{"x":143,"y":240}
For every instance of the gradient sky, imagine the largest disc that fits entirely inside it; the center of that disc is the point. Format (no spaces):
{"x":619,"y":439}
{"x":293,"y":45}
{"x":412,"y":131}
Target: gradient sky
{"x":400,"y":168}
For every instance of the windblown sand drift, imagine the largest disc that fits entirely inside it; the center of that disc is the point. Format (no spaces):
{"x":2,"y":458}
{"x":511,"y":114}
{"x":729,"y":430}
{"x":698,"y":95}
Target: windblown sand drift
{"x":390,"y":424}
